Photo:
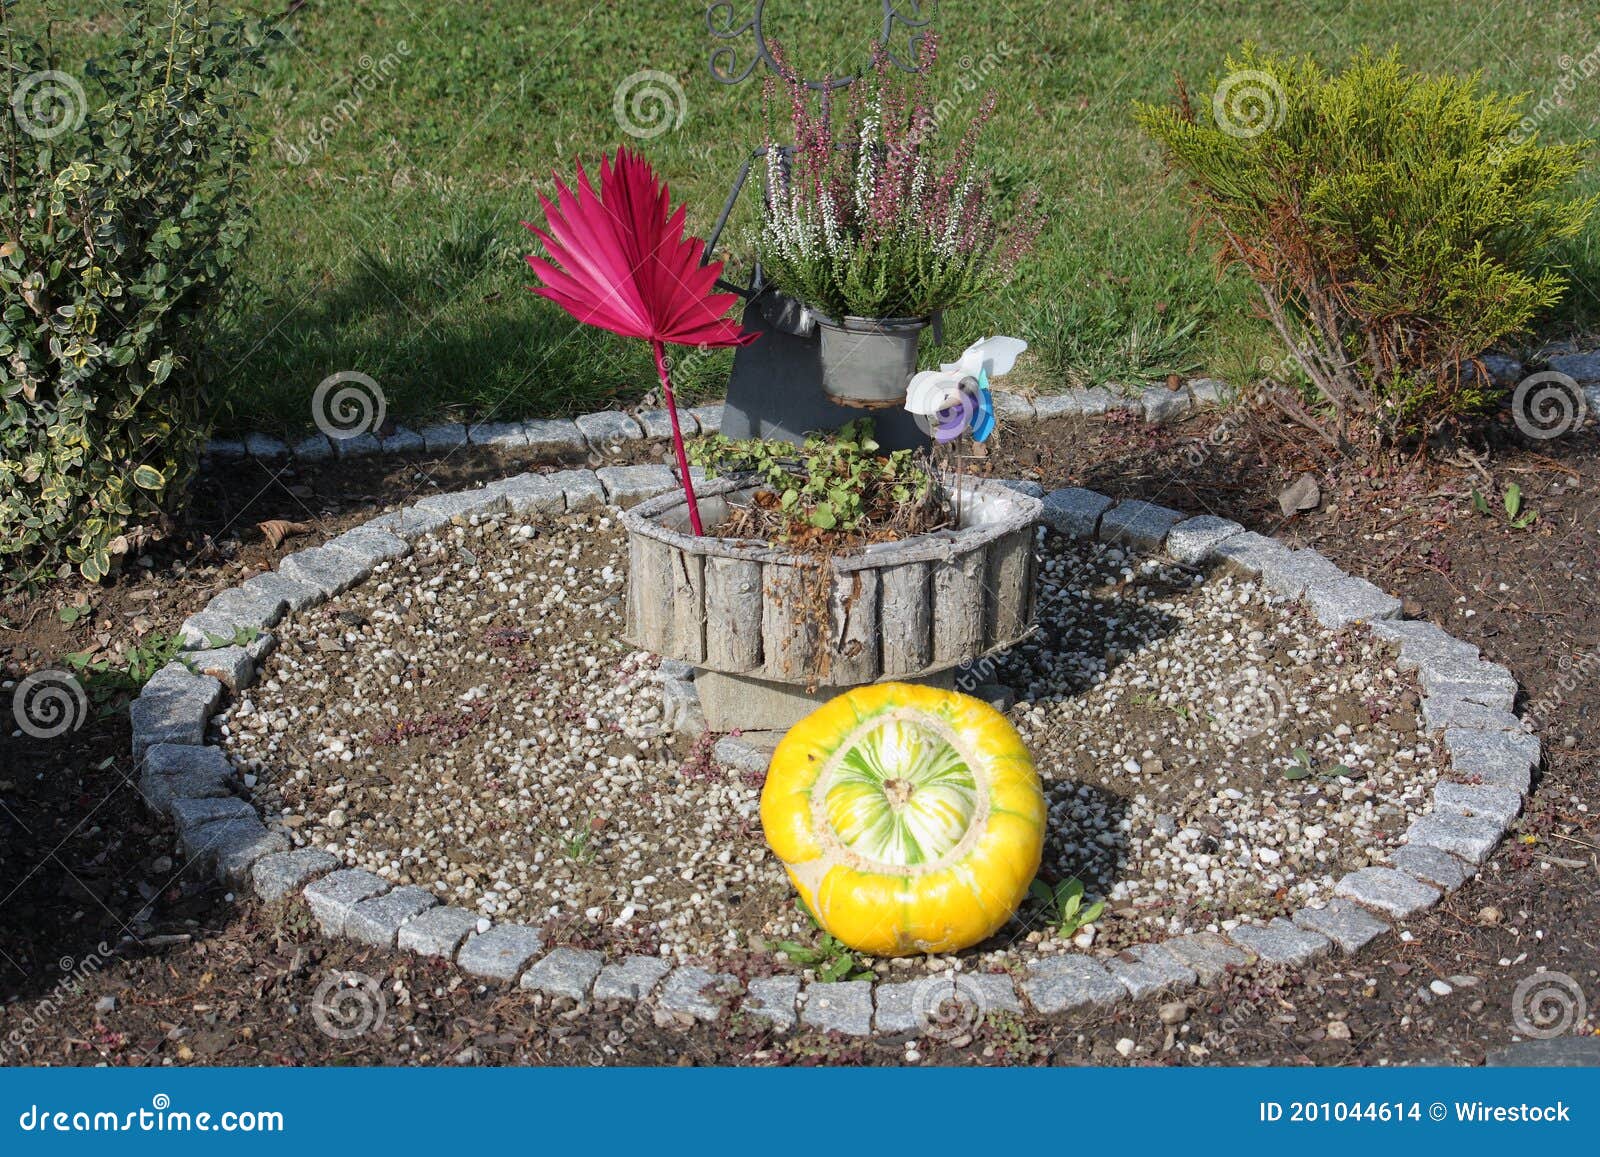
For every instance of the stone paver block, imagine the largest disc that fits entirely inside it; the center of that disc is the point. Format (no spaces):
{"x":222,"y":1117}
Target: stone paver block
{"x":1141,"y":525}
{"x":631,"y":978}
{"x":442,"y":437}
{"x":173,"y":708}
{"x":1067,"y":983}
{"x":657,"y":424}
{"x":1247,"y":554}
{"x":1096,"y":401}
{"x":1443,"y":711}
{"x":260,"y":647}
{"x":410,"y":523}
{"x":532,"y":494}
{"x":371,"y":545}
{"x":1210,"y":392}
{"x":1423,"y":644}
{"x":1011,"y":407}
{"x":690,"y":991}
{"x":1161,"y":405}
{"x":773,"y":999}
{"x":225,"y":449}
{"x":912,"y":1008}
{"x":233,"y":667}
{"x":1500,"y":804}
{"x":709,"y":417}
{"x":238,"y":846}
{"x":358,"y":445}
{"x":331,"y":571}
{"x":1290,"y":574}
{"x":207,"y":629}
{"x":1391,"y":892}
{"x":1023,"y":486}
{"x":1583,"y":368}
{"x":1350,"y":600}
{"x":627,"y":486}
{"x":266,"y":447}
{"x":465,"y":503}
{"x":194,"y":813}
{"x":283,"y":874}
{"x":1048,"y":406}
{"x":378,"y":921}
{"x":842,"y":1006}
{"x":1470,"y":837}
{"x":1147,"y":969}
{"x":248,"y":607}
{"x":1503,"y":758}
{"x":1348,"y":925}
{"x":1281,"y":942}
{"x":500,"y":953}
{"x":332,"y":898}
{"x":1209,"y":954}
{"x":550,"y":438}
{"x":1074,"y":512}
{"x":437,"y":931}
{"x":296,"y":596}
{"x":565,"y":972}
{"x":183,"y":771}
{"x":1192,"y":540}
{"x":498,"y":435}
{"x":899,"y":1010}
{"x":1431,"y":865}
{"x":582,"y":488}
{"x":748,"y":753}
{"x":1471,"y":679}
{"x":404,"y":440}
{"x":608,"y":429}
{"x":312,"y":448}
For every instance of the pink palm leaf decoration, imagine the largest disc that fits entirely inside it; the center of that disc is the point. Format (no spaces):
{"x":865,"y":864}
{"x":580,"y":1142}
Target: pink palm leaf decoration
{"x":620,"y":261}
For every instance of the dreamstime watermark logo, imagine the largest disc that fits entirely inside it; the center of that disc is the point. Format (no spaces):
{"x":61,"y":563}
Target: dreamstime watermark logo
{"x":48,"y":704}
{"x":23,"y":1024}
{"x":1573,"y":72}
{"x":1575,"y":673}
{"x":973,"y":75}
{"x":1248,"y":103}
{"x":1549,"y":404}
{"x":370,"y":73}
{"x":347,"y":1005}
{"x":649,"y":103}
{"x":47,"y":104}
{"x":1547,"y":1005}
{"x":949,"y":1008}
{"x":347,"y":405}
{"x":1254,"y":709}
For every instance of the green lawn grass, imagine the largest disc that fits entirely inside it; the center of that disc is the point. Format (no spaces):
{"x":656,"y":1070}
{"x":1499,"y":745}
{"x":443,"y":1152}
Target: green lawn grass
{"x":392,"y":247}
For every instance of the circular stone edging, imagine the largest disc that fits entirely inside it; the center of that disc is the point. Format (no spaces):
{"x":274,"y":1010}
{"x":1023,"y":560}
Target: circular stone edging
{"x":1492,"y":762}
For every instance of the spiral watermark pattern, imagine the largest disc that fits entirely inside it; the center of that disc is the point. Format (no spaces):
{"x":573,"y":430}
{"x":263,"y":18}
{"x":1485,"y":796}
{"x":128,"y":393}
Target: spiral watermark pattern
{"x":649,"y":103}
{"x":48,"y":704}
{"x":1254,"y":709}
{"x":949,"y":1007}
{"x":954,"y":420}
{"x":347,"y":1005}
{"x":1549,"y":404}
{"x":47,"y":104}
{"x":347,"y":405}
{"x":1248,"y":103}
{"x":1547,"y":1005}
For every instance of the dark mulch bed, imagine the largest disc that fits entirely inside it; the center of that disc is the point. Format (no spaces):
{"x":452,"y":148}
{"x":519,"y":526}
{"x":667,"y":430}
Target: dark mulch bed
{"x":201,"y":978}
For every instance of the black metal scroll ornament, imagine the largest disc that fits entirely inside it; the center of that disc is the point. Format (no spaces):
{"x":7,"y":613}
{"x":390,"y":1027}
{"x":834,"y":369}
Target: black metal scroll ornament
{"x":776,"y":387}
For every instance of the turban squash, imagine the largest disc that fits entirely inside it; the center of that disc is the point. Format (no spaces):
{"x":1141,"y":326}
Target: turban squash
{"x":910,"y":819}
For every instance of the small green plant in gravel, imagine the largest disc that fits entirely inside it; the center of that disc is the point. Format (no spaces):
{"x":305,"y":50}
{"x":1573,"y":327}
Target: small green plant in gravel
{"x":1512,"y":502}
{"x":830,"y":958}
{"x":1303,"y":766}
{"x":835,"y":482}
{"x":1062,"y":905}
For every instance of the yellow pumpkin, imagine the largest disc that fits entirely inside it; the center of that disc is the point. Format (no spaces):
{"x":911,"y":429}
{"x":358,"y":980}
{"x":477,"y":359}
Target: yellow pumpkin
{"x":910,"y":819}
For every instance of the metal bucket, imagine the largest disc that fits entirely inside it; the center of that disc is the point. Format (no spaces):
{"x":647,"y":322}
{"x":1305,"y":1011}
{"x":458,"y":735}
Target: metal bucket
{"x":868,"y":361}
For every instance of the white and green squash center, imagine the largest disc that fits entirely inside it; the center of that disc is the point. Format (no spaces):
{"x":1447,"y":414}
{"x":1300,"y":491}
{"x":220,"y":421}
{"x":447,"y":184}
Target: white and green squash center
{"x":899,"y":793}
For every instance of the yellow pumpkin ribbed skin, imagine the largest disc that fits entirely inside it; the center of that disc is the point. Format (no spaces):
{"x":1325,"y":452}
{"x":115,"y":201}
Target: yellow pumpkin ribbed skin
{"x":910,"y":819}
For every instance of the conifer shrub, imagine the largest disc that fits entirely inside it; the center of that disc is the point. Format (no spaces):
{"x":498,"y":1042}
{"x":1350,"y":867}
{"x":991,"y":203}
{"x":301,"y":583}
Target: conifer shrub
{"x":1397,"y":225}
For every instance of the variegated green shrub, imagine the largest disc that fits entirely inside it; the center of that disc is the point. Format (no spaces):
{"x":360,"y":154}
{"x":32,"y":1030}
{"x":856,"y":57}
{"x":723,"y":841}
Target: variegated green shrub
{"x":122,"y":210}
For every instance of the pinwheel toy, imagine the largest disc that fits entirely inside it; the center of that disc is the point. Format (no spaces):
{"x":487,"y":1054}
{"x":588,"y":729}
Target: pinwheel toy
{"x":620,"y":260}
{"x":955,"y":399}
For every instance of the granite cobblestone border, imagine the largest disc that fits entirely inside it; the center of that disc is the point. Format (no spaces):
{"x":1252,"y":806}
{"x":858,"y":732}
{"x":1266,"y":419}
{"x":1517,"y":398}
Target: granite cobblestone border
{"x":1467,"y":701}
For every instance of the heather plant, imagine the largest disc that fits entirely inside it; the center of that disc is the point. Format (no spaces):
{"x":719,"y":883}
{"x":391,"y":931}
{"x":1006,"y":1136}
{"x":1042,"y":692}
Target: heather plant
{"x":122,"y":210}
{"x":1397,"y":226}
{"x":871,"y":217}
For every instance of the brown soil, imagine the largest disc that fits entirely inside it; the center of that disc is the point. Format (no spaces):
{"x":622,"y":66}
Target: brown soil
{"x":212,"y":981}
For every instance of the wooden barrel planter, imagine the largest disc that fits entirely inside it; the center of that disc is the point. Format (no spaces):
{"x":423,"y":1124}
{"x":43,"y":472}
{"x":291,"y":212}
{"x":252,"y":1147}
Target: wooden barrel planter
{"x":777,"y":621}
